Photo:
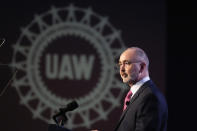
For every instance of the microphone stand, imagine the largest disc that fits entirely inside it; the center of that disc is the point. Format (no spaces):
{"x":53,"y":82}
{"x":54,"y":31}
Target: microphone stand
{"x":61,"y":117}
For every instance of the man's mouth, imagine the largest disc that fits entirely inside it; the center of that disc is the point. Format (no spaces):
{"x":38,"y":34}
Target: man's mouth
{"x":124,"y":75}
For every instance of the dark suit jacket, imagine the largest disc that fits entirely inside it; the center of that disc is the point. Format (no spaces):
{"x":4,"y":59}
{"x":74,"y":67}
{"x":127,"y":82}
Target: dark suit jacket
{"x":147,"y":111}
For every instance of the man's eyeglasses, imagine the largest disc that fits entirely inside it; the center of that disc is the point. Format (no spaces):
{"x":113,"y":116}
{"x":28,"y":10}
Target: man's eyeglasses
{"x":126,"y":63}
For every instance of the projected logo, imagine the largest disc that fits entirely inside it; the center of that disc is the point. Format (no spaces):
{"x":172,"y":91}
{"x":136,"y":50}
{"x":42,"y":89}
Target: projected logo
{"x":69,"y":54}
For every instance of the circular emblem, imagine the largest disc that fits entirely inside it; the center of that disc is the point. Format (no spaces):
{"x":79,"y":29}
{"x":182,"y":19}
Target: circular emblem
{"x":65,"y":54}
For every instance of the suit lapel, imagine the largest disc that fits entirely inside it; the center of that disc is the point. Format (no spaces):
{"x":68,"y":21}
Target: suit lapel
{"x":132,"y":100}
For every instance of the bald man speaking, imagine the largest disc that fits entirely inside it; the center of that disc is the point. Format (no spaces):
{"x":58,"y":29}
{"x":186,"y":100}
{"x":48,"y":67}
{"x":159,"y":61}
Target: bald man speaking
{"x":145,"y":107}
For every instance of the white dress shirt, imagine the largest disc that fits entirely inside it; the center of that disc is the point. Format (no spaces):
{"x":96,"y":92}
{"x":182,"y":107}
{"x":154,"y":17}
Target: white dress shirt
{"x":137,"y":85}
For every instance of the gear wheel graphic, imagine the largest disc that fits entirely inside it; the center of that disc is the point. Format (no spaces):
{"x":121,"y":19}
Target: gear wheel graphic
{"x":100,"y":34}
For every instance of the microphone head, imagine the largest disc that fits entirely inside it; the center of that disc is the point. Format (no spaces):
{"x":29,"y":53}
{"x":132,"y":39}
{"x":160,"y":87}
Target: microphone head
{"x":70,"y":107}
{"x":73,"y":105}
{"x":127,"y":103}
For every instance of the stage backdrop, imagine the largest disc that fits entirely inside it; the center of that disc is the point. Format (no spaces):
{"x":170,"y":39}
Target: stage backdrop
{"x":67,"y":50}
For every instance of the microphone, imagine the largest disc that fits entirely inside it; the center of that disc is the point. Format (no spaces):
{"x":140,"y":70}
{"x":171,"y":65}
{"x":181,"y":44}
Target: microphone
{"x":70,"y":107}
{"x":127,"y":103}
{"x":60,"y":118}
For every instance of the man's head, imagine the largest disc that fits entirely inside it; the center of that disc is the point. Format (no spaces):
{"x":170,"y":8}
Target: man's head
{"x":133,"y":65}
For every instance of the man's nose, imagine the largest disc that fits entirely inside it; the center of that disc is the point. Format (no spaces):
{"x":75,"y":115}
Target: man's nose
{"x":122,"y":68}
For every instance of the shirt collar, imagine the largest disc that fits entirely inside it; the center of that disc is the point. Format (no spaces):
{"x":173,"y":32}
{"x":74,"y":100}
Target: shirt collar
{"x":137,"y":85}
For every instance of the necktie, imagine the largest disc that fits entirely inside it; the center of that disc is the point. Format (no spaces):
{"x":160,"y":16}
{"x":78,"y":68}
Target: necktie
{"x":127,"y":99}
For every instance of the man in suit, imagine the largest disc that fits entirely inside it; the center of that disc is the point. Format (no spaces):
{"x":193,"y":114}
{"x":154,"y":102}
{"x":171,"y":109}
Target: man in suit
{"x":146,"y":109}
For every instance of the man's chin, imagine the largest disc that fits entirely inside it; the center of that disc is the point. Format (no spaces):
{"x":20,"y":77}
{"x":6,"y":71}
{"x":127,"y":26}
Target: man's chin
{"x":128,"y":81}
{"x":125,"y":81}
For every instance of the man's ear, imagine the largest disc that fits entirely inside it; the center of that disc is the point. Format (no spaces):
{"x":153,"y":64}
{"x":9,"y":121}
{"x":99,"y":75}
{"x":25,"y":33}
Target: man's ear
{"x":142,"y":67}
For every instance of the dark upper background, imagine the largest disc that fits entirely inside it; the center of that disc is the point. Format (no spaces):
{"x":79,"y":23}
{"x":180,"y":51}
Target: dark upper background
{"x":176,"y":23}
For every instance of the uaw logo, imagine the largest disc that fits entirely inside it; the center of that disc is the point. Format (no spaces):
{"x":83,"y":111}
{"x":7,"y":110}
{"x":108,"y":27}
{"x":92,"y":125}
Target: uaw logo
{"x":69,"y":54}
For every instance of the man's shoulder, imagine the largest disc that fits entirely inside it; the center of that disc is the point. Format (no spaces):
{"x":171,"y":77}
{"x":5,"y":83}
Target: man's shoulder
{"x":150,"y":91}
